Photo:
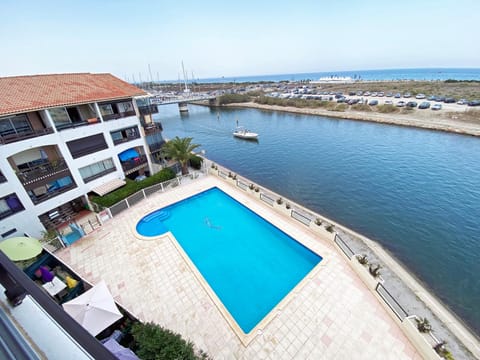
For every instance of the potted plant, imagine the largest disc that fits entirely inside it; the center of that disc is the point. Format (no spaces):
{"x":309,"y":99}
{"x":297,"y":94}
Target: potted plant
{"x":374,"y":270}
{"x":287,"y":205}
{"x":251,"y":186}
{"x":318,"y":221}
{"x":329,"y":228}
{"x":362,"y":259}
{"x":257,"y":189}
{"x":234,"y":177}
{"x":229,"y":174}
{"x":423,"y":325}
{"x":279,"y":201}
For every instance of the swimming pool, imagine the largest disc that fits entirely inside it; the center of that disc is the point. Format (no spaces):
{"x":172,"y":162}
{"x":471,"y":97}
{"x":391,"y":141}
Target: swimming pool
{"x":250,"y":264}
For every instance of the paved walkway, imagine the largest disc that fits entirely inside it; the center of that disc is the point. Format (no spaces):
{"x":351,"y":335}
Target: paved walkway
{"x":332,"y":316}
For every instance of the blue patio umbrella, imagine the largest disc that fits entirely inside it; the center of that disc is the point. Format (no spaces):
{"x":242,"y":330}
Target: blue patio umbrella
{"x":128,"y":154}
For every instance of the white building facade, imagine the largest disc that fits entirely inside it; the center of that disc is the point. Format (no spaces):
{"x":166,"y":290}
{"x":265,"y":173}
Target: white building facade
{"x":63,"y":137}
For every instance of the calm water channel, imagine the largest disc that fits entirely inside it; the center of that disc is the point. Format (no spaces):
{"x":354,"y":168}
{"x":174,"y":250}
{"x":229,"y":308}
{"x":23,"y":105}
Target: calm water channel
{"x":416,"y":192}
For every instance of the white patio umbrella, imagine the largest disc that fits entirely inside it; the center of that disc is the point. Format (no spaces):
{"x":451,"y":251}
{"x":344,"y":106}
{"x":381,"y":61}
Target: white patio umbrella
{"x":95,"y":309}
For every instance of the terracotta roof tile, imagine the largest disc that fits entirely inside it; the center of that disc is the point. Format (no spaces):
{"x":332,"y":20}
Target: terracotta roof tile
{"x":30,"y":93}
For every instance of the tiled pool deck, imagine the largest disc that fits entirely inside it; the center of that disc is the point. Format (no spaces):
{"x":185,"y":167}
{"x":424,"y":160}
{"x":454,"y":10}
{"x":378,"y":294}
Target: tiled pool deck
{"x":332,"y":316}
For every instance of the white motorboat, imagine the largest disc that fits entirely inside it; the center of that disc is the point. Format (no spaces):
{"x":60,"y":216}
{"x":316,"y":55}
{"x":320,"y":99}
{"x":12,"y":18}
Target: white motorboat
{"x":243,"y":133}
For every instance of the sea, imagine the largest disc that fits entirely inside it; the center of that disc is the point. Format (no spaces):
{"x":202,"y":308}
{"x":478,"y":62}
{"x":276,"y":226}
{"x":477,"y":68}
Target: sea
{"x":414,"y":191}
{"x":430,"y":74}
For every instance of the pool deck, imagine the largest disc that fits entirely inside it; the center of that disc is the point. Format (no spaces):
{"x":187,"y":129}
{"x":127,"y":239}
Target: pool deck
{"x":332,"y":315}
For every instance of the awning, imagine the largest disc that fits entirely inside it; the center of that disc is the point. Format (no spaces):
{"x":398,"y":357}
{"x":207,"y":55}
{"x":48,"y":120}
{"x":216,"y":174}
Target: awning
{"x":109,"y":186}
{"x":128,"y":154}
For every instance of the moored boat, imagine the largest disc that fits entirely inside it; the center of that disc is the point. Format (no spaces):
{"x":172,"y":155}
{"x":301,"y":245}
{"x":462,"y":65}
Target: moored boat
{"x":243,"y":133}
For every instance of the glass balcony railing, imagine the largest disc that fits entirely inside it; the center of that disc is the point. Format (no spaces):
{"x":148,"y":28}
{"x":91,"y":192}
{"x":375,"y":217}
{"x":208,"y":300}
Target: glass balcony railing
{"x":10,"y":138}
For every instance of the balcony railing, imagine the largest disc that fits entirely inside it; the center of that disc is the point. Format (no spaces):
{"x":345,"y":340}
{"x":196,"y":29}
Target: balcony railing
{"x":157,"y":146}
{"x":126,"y":139}
{"x":119,"y":115}
{"x":147,"y":110}
{"x":76,"y":124}
{"x":42,"y":171}
{"x":133,"y":163}
{"x":6,"y":139}
{"x":153,"y":128}
{"x":36,"y":199}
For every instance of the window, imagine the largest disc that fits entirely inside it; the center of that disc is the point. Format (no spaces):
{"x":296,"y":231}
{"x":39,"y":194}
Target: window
{"x":14,"y":125}
{"x":10,"y":205}
{"x":124,"y":107}
{"x":97,"y":169}
{"x":59,"y":116}
{"x":106,"y":109}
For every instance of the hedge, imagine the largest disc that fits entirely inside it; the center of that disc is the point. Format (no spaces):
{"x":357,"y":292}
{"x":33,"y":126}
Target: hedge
{"x":132,"y":187}
{"x":153,"y":342}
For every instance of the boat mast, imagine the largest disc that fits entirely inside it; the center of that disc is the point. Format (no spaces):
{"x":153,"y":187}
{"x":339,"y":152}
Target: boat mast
{"x":185,"y":79}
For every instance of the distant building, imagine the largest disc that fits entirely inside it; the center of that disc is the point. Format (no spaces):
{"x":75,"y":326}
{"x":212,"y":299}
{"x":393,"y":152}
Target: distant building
{"x":64,"y":136}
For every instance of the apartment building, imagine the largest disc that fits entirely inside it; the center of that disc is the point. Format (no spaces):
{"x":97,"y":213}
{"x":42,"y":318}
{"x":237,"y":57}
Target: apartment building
{"x":64,"y":136}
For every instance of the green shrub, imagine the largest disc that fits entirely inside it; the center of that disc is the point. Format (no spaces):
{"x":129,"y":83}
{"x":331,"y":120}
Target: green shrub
{"x":361,"y":107}
{"x":387,"y":109}
{"x":233,"y":98}
{"x":152,"y":342}
{"x":196,"y":162}
{"x":132,"y":187}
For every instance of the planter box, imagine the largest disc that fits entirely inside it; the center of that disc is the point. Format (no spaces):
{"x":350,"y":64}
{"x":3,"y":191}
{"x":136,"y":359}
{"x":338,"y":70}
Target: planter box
{"x":424,"y":342}
{"x":364,"y":274}
{"x":320,"y":230}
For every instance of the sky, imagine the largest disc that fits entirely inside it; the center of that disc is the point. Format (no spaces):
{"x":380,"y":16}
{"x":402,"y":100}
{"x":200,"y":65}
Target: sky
{"x":133,"y":39}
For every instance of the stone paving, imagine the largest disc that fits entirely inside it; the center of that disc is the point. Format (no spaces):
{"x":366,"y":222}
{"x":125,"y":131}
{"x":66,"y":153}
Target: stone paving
{"x":331,"y":316}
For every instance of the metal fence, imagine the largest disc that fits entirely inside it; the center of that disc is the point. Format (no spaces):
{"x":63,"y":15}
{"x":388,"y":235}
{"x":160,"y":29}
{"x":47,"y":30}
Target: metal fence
{"x":242,"y":185}
{"x":267,"y":199}
{"x":343,"y":245}
{"x":142,"y":194}
{"x":391,"y":302}
{"x":222,"y":174}
{"x":300,"y":217}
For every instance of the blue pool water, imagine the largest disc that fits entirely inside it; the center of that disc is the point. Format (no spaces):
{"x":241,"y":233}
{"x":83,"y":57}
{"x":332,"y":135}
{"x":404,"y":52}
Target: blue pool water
{"x":250,"y":264}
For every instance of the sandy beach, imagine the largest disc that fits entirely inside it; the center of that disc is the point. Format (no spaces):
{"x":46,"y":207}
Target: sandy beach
{"x":449,"y":119}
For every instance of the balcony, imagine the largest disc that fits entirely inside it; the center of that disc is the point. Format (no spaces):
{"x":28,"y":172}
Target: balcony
{"x":153,"y":128}
{"x":44,"y":172}
{"x":10,"y":138}
{"x":119,"y":115}
{"x":125,"y":135}
{"x":38,"y":198}
{"x":132,"y":165}
{"x":148,"y":109}
{"x":156,"y":146}
{"x":76,"y":124}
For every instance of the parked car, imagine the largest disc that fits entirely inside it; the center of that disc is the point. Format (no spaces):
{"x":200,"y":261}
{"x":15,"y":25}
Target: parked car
{"x":373,"y":102}
{"x":359,"y":93}
{"x":401,"y":104}
{"x":388,"y":94}
{"x":367,"y":93}
{"x":424,"y":105}
{"x":351,"y":93}
{"x":432,"y":98}
{"x":462,"y":102}
{"x":398,"y":96}
{"x":449,"y":101}
{"x":380,"y":94}
{"x":412,"y":104}
{"x":388,"y":102}
{"x":407,"y":95}
{"x":437,"y":107}
{"x":440,"y":98}
{"x":374,"y":94}
{"x":474,"y":103}
{"x":420,"y":96}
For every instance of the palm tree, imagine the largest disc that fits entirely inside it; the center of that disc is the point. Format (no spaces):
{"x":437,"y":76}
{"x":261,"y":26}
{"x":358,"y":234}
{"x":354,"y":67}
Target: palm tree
{"x":180,"y":150}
